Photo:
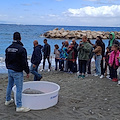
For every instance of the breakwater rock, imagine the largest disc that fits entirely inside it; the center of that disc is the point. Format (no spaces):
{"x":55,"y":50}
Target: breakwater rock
{"x":78,"y":34}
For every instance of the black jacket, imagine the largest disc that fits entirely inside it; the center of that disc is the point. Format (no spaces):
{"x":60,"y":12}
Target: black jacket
{"x":37,"y":55}
{"x":16,"y":57}
{"x":114,"y":42}
{"x":103,"y":49}
{"x":46,"y":50}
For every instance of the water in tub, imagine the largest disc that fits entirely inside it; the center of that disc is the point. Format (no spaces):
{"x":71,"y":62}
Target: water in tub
{"x":32,"y":91}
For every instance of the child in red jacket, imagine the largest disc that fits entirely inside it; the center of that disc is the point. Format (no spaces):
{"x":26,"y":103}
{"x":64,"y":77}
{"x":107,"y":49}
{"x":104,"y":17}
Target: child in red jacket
{"x":114,"y":62}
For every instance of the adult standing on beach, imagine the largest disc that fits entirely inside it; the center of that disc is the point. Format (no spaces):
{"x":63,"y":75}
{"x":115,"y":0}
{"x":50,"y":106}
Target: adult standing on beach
{"x":84,"y":50}
{"x":75,"y":47}
{"x":90,"y":57}
{"x":75,"y":44}
{"x":36,"y":60}
{"x":16,"y":62}
{"x":65,"y":54}
{"x":46,"y":54}
{"x":98,"y":57}
{"x":112,"y":40}
{"x":103,"y":55}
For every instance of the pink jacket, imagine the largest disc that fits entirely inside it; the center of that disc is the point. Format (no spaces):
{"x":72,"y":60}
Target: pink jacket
{"x":112,"y":56}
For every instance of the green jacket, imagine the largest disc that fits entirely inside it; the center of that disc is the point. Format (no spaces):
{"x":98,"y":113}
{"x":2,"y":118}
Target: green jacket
{"x":111,"y":40}
{"x":84,"y":51}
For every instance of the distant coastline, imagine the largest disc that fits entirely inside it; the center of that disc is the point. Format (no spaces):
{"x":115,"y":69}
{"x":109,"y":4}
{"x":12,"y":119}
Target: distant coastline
{"x":78,"y":34}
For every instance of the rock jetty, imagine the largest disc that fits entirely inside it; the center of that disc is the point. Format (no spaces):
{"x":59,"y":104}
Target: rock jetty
{"x":78,"y":34}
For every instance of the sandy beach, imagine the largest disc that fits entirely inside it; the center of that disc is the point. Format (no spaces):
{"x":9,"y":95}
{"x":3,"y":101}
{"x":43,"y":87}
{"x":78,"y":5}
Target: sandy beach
{"x":84,"y":99}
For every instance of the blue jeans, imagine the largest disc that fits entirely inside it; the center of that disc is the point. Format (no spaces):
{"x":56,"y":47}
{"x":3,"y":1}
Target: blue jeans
{"x":17,"y":79}
{"x":56,"y":63}
{"x":34,"y":71}
{"x":98,"y":64}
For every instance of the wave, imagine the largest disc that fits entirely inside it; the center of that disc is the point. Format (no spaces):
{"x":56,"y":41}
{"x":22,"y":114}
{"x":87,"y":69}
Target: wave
{"x":3,"y":68}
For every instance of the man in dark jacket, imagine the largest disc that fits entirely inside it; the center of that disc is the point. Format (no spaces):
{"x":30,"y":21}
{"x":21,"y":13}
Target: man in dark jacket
{"x":16,"y":62}
{"x":36,"y":60}
{"x":46,"y":54}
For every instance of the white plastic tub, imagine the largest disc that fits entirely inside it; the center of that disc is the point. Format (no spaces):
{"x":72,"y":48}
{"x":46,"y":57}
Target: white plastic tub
{"x":39,"y":101}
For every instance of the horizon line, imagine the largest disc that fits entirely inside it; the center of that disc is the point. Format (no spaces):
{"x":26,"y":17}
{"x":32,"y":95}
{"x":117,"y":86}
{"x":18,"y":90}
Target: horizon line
{"x":55,"y":25}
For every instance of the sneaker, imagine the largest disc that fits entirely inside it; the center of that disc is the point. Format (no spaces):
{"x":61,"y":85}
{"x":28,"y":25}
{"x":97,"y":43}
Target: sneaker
{"x":88,"y":72}
{"x":49,"y":70}
{"x":108,"y":77}
{"x":70,"y":72}
{"x":83,"y":76}
{"x":40,"y":78}
{"x":78,"y":73}
{"x":101,"y":76}
{"x":115,"y":80}
{"x":79,"y":76}
{"x":119,"y":82}
{"x":96,"y":75}
{"x":9,"y":102}
{"x":22,"y":109}
{"x":41,"y":70}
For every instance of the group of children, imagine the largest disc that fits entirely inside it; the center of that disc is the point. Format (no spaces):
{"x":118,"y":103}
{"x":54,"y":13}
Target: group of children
{"x":106,"y":62}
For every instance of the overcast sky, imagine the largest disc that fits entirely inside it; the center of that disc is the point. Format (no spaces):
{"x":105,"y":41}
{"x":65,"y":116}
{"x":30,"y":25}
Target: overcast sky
{"x":61,"y":12}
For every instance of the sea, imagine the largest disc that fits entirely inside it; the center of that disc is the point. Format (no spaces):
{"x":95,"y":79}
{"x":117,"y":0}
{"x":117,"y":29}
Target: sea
{"x":29,"y":33}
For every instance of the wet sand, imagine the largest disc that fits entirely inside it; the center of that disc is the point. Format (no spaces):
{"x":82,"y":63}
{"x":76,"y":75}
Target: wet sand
{"x":84,"y":99}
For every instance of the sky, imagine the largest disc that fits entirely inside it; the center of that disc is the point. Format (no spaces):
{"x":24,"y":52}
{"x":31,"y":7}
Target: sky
{"x":61,"y":12}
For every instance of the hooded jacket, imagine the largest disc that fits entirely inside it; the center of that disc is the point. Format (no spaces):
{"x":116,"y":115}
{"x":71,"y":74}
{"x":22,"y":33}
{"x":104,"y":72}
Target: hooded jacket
{"x":37,"y":55}
{"x":16,"y":57}
{"x":113,"y":60}
{"x":84,"y":51}
{"x":46,"y":50}
{"x":113,"y":41}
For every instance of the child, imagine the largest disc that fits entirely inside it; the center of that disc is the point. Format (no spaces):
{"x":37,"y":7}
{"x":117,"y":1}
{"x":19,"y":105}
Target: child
{"x":114,"y":62}
{"x":107,"y":60}
{"x":71,"y":57}
{"x":65,"y":54}
{"x":98,"y":57}
{"x":57,"y":56}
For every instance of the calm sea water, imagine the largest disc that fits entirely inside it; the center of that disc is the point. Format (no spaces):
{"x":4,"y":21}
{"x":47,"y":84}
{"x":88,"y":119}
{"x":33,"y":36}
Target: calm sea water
{"x":29,"y":33}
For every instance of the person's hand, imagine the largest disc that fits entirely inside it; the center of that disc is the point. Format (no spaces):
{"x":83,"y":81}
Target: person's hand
{"x":103,"y":58}
{"x":93,"y":45}
{"x":27,"y":76}
{"x":69,"y":49}
{"x":110,"y":65}
{"x":118,"y":57}
{"x":109,"y":54}
{"x":34,"y":66}
{"x":80,"y":43}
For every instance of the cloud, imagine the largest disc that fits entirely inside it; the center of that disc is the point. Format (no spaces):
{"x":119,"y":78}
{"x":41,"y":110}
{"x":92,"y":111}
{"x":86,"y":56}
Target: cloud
{"x":104,"y":2}
{"x":52,"y":15}
{"x":103,"y":11}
